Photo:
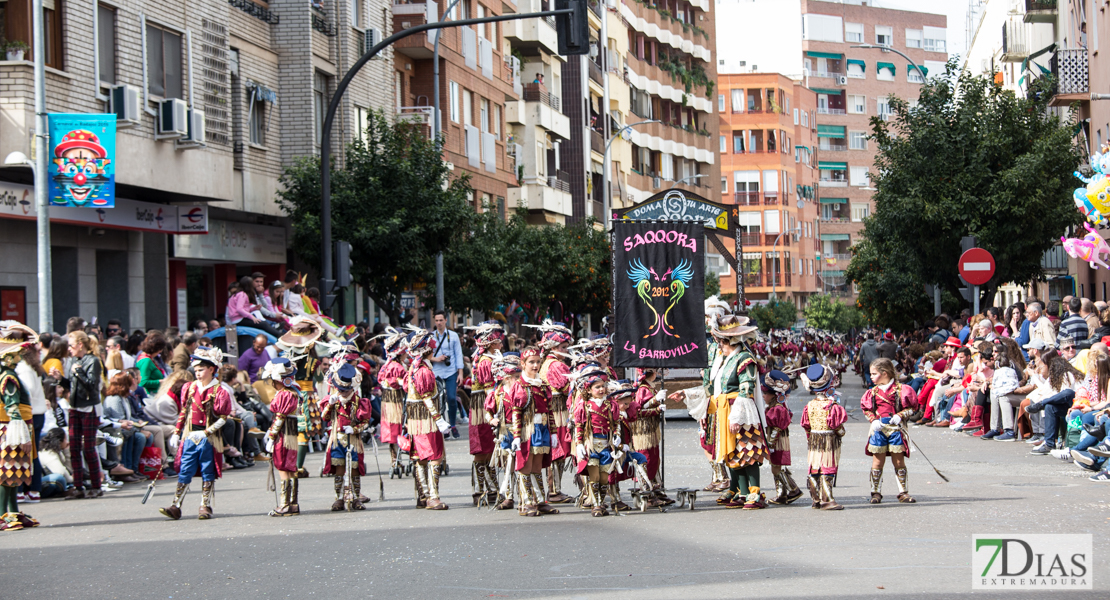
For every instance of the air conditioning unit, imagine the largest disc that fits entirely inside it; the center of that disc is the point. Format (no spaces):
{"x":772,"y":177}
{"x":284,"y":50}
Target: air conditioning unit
{"x":173,"y":119}
{"x":373,"y":37}
{"x":656,"y":183}
{"x":836,"y":207}
{"x":124,"y":101}
{"x":841,"y":80}
{"x":195,"y":136}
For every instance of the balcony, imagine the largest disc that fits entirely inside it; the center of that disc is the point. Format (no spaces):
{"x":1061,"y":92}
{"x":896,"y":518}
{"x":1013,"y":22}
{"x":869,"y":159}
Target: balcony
{"x":826,"y":74}
{"x":1069,"y":67}
{"x":597,"y":143}
{"x":749,"y":198}
{"x":753,"y":279}
{"x":824,"y":110}
{"x":537,"y":92}
{"x":560,"y":181}
{"x":751,"y":239}
{"x":770,"y":198}
{"x":535,"y":194}
{"x":1040,"y":11}
{"x":532,"y":34}
{"x":595,"y":7}
{"x":834,"y":183}
{"x":831,"y":147}
{"x":595,"y":73}
{"x":1015,"y":41}
{"x":834,"y":219}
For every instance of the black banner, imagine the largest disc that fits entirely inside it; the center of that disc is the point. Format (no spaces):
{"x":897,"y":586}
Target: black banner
{"x":658,"y":294}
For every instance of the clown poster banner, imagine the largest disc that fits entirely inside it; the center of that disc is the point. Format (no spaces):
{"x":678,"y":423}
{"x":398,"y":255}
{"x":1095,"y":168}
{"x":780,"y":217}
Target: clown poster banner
{"x":658,"y":293}
{"x":82,"y":170}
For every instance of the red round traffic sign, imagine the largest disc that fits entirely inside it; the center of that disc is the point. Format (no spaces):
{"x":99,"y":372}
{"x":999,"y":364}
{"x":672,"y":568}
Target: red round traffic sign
{"x":976,"y":266}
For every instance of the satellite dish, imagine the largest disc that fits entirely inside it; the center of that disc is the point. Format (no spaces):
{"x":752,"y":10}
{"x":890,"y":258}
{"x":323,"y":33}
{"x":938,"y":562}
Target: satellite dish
{"x":626,"y":134}
{"x":801,"y":204}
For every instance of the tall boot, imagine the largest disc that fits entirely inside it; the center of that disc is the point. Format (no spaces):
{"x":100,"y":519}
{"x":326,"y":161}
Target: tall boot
{"x":477,"y":483}
{"x":207,"y":489}
{"x":490,"y":476}
{"x":813,"y":482}
{"x":356,"y":491}
{"x":713,"y":478}
{"x":420,"y":483}
{"x":537,"y":488}
{"x":826,"y":494}
{"x":597,"y":500}
{"x":780,"y":489}
{"x":173,"y":511}
{"x":722,"y":477}
{"x":338,"y":485}
{"x":542,"y":505}
{"x":394,"y":464}
{"x":903,"y":487}
{"x":283,"y":504}
{"x":615,"y":492}
{"x":527,"y":497}
{"x":294,"y":488}
{"x":792,"y":490}
{"x":555,"y":482}
{"x":876,"y":486}
{"x":434,"y":503}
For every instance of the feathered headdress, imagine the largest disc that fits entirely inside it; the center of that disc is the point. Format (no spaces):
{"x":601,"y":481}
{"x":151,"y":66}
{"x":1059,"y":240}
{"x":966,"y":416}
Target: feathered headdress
{"x":394,"y":342}
{"x":554,"y":333}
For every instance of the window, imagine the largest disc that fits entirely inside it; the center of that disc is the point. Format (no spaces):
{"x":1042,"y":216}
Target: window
{"x":805,"y":118}
{"x":106,"y":43}
{"x":724,"y":145}
{"x":737,"y":101}
{"x":884,"y":35}
{"x":497,"y":121}
{"x":935,"y":39}
{"x":362,"y":121}
{"x":882,"y":106}
{"x":857,"y":140}
{"x":771,"y":221}
{"x":856,"y":70}
{"x":724,"y":185}
{"x":320,"y":103}
{"x":795,"y":116}
{"x":853,"y":32}
{"x":483,"y":114}
{"x":454,"y":100}
{"x":884,"y":72}
{"x":357,"y":15}
{"x":720,"y":103}
{"x":913,"y":38}
{"x":738,"y":143}
{"x":257,"y":120}
{"x":163,"y":57}
{"x":860,"y":212}
{"x":857,"y":104}
{"x":468,"y":108}
{"x":860,"y":176}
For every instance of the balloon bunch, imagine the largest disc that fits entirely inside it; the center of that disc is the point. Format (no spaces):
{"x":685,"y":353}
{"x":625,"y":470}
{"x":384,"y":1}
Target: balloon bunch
{"x":1093,"y":200}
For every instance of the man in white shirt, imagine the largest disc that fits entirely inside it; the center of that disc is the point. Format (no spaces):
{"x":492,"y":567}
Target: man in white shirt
{"x":447,"y":364}
{"x":116,"y":343}
{"x":1042,"y":328}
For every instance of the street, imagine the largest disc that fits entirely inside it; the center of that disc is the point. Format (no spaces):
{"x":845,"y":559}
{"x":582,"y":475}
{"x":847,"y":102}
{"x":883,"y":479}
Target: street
{"x":116,"y":547}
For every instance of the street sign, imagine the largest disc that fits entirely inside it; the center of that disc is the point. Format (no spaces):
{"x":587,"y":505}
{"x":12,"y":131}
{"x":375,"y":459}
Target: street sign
{"x":976,"y":266}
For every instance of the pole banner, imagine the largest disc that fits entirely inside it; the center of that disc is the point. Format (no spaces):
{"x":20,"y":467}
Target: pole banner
{"x":658,"y":288}
{"x":82,"y":170}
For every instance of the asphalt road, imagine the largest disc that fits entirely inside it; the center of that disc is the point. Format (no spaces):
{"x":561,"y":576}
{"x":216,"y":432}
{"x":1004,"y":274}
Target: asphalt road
{"x":115,"y":547}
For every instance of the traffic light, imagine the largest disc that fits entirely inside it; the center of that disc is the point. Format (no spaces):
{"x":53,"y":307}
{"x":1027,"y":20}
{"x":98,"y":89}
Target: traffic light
{"x":342,"y":264}
{"x":573,"y":29}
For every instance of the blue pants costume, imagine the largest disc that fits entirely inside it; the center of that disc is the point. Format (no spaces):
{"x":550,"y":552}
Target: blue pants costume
{"x":881,"y":443}
{"x":197,"y":459}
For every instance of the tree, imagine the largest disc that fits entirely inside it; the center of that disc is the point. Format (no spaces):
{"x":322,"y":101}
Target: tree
{"x":777,"y":314}
{"x":392,"y":200}
{"x":969,"y":159}
{"x":712,"y":284}
{"x":824,"y":312}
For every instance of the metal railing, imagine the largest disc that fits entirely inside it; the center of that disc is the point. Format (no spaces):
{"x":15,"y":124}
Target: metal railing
{"x":749,"y":198}
{"x":751,"y":239}
{"x":255,"y":10}
{"x":595,"y":72}
{"x":536,"y":92}
{"x":824,"y":146}
{"x":834,"y":219}
{"x":323,"y":26}
{"x":770,"y":198}
{"x":753,"y":279}
{"x":555,"y":183}
{"x":597,"y":143}
{"x":1040,"y":5}
{"x":831,"y":111}
{"x":827,"y":74}
{"x":1070,"y":68}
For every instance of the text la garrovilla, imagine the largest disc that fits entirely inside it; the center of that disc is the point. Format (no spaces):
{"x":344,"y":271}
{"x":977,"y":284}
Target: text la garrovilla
{"x":661,"y":237}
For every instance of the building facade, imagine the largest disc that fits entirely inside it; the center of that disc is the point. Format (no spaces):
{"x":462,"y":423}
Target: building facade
{"x":256,"y":78}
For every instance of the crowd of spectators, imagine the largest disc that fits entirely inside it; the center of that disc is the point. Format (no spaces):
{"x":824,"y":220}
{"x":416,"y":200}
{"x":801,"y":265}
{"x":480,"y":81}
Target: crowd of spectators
{"x":1031,"y":372}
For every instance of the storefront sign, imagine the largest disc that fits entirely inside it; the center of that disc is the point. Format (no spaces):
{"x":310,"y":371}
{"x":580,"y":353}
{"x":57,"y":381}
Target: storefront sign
{"x":82,"y":160}
{"x":18,"y":202}
{"x":234,"y":242}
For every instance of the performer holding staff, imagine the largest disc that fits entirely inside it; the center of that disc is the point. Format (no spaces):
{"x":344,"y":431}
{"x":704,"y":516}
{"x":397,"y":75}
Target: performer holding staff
{"x":888,"y":406}
{"x":281,"y":438}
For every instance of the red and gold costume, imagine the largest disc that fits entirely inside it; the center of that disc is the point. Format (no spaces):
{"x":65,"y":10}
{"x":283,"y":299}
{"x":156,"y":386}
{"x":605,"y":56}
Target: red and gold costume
{"x":529,"y":404}
{"x":888,"y":407}
{"x":823,"y":420}
{"x":346,"y":414}
{"x":488,"y":337}
{"x":424,"y":422}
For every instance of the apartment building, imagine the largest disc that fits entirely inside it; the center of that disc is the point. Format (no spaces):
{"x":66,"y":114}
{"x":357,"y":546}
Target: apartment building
{"x":767,"y":141}
{"x":852,"y":85}
{"x":251,"y":80}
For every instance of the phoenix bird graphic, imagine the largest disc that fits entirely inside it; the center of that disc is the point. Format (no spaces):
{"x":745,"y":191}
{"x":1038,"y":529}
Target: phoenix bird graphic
{"x":679,"y":277}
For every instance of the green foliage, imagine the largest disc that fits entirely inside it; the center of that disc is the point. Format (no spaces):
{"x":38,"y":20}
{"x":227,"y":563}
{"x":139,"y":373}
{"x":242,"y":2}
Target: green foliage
{"x":712,"y":284}
{"x":825,"y":312}
{"x":777,"y":314}
{"x":391,"y":201}
{"x":969,"y":159}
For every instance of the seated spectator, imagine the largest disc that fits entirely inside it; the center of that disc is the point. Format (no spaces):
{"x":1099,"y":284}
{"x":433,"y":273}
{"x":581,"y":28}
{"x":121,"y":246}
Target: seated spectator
{"x":54,"y":454}
{"x":183,"y":351}
{"x":235,"y":441}
{"x":1009,"y":369}
{"x":1062,"y":381}
{"x":117,"y":410}
{"x":254,"y":358}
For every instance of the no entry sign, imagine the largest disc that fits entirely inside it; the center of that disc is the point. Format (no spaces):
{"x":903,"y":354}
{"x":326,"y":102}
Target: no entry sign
{"x":976,"y":266}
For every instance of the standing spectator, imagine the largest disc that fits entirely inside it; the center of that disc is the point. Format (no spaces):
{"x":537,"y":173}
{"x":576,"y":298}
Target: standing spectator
{"x":1089,"y":313}
{"x":83,"y":374}
{"x":869,"y":351}
{"x":1041,"y":327}
{"x":888,"y":349}
{"x":200,"y":328}
{"x":152,"y":368}
{"x":30,"y":374}
{"x":115,"y":344}
{"x":254,"y":358}
{"x":1074,"y":326}
{"x":183,"y":351}
{"x":447,"y":364}
{"x":113,"y":328}
{"x":74,"y":324}
{"x":54,"y":362}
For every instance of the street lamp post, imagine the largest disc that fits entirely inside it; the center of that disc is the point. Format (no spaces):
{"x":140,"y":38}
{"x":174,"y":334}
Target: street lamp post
{"x":42,"y":220}
{"x":605,"y":201}
{"x":776,"y":244}
{"x":436,"y":130}
{"x":890,"y":49}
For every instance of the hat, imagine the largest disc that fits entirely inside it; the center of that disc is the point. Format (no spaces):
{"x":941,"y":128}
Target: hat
{"x":715,"y":307}
{"x":621,"y":388}
{"x":641,"y":373}
{"x":588,"y":374}
{"x":777,"y":381}
{"x":554,"y":333}
{"x":816,"y":378}
{"x":487,"y":333}
{"x":394,"y":343}
{"x":888,"y":336}
{"x":212,"y":356}
{"x":953,"y":342}
{"x":345,"y":377}
{"x":529,"y":352}
{"x":80,"y":138}
{"x":276,"y":284}
{"x":14,"y":336}
{"x":420,"y":341}
{"x":1036,"y":344}
{"x":730,"y":326}
{"x":278,"y":369}
{"x":508,"y":364}
{"x":1105,"y":339}
{"x":1067,"y":341}
{"x":302,"y":333}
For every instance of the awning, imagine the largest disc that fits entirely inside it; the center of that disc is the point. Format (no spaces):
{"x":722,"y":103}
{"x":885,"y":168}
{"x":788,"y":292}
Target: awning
{"x":833,"y":131}
{"x":834,"y":201}
{"x":827,"y":91}
{"x":880,"y":66}
{"x":859,"y":63}
{"x":824,"y":55}
{"x":832,"y":165}
{"x":835,"y":237}
{"x":923,"y":70}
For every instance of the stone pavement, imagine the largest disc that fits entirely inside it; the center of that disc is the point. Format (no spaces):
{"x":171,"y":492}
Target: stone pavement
{"x":115,"y":547}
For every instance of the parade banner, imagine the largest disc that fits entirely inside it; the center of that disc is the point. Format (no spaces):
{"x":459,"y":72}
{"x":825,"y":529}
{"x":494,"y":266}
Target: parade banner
{"x":658,"y":288}
{"x":82,"y":169}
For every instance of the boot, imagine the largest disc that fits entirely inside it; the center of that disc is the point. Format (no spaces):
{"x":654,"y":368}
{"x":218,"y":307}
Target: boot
{"x":294,"y":487}
{"x":792,"y":490}
{"x":207,"y":489}
{"x":715,"y":478}
{"x":615,"y":493}
{"x":755,"y":499}
{"x":542,"y":505}
{"x":282,"y":509}
{"x":723,"y":482}
{"x":434,"y":503}
{"x":338,"y":485}
{"x":356,"y":491}
{"x":903,"y":487}
{"x":395,"y":469}
{"x":814,"y":490}
{"x":527,"y":497}
{"x":826,"y":494}
{"x":597,"y":501}
{"x":477,"y":483}
{"x":491,"y":483}
{"x":780,"y":489}
{"x":555,"y":483}
{"x":876,"y":486}
{"x":420,"y":483}
{"x":173,"y":511}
